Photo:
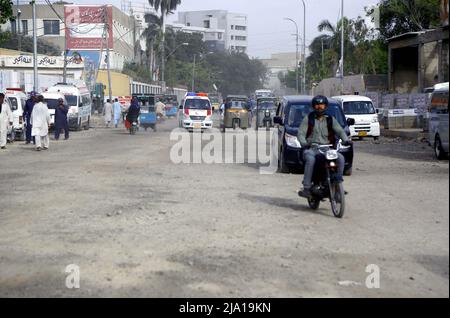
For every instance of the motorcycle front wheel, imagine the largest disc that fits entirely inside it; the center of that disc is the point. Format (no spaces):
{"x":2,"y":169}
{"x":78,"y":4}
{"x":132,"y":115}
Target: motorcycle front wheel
{"x":314,"y":203}
{"x":337,"y":198}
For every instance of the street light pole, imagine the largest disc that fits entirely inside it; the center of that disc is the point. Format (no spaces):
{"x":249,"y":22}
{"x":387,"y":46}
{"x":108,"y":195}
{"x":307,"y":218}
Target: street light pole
{"x":19,"y":36}
{"x":193,"y":75}
{"x":296,"y":54}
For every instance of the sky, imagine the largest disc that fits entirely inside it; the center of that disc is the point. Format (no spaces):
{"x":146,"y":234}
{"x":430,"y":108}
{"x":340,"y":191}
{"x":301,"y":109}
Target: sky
{"x":268,"y":31}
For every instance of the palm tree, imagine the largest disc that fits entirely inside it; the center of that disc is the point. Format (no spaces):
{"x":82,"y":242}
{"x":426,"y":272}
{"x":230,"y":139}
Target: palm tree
{"x":152,"y":35}
{"x":335,"y":37}
{"x":165,"y":7}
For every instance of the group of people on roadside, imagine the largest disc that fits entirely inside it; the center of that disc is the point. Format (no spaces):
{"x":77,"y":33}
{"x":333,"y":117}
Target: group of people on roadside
{"x":37,"y":121}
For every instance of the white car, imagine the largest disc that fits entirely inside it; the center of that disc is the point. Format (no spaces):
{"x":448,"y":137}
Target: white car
{"x":361,"y":109}
{"x":196,"y":112}
{"x":17,"y":99}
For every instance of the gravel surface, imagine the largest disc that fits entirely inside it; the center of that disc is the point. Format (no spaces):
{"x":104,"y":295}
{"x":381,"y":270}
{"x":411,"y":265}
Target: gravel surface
{"x":138,"y":225}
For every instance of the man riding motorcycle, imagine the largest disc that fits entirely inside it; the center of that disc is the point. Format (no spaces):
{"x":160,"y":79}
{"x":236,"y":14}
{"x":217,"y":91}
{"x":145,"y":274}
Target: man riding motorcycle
{"x":318,"y":128}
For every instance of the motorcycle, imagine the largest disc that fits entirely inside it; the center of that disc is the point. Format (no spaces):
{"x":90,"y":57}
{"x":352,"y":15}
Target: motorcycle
{"x":267,"y":120}
{"x":134,"y":128}
{"x":324,"y":182}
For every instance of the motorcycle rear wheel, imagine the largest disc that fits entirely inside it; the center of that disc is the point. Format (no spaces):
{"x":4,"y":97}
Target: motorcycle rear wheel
{"x":337,"y":199}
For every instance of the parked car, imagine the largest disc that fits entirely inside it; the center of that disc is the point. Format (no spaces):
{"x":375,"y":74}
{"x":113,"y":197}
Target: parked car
{"x":438,"y":121}
{"x":290,"y":114}
{"x":361,"y":109}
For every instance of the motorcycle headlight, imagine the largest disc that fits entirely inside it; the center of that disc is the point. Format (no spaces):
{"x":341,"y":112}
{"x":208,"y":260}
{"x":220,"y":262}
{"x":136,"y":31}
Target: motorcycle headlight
{"x":292,"y":141}
{"x":332,"y":154}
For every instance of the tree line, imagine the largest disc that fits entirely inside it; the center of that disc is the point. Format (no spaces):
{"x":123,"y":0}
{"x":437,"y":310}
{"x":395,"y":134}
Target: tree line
{"x":366,"y":48}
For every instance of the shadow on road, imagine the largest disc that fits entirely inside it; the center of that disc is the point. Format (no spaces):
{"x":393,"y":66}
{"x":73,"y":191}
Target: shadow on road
{"x":296,"y":205}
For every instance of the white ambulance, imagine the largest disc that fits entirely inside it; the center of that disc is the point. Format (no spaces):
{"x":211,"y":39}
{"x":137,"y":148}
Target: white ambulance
{"x":17,"y":99}
{"x":78,"y":98}
{"x":196,"y":112}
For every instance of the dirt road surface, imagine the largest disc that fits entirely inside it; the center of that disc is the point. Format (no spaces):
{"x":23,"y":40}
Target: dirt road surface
{"x":137,"y":225}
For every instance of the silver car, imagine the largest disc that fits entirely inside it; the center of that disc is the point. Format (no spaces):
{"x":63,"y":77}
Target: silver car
{"x":438,"y":122}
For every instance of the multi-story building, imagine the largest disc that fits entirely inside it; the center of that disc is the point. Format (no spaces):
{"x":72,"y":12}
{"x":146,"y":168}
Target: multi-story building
{"x":234,"y":24}
{"x":138,"y":10}
{"x":214,"y":38}
{"x":84,"y":36}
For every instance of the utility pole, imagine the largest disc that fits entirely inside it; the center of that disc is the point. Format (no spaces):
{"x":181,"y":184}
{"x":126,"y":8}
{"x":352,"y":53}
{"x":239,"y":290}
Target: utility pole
{"x":108,"y":65}
{"x":342,"y":46}
{"x":35,"y":66}
{"x":19,"y":36}
{"x":304,"y":48}
{"x":65,"y":61}
{"x":296,"y":55}
{"x":193,"y":75}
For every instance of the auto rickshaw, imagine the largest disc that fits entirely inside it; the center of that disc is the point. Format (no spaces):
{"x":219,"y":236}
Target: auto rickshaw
{"x":236,"y":112}
{"x":147,"y":118}
{"x":266,"y":110}
{"x":171,"y":102}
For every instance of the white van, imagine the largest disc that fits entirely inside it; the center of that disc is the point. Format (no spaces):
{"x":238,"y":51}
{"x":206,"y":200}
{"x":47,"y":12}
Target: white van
{"x":17,"y":99}
{"x":79,"y":101}
{"x":438,"y":121}
{"x":51,"y":99}
{"x":361,"y":109}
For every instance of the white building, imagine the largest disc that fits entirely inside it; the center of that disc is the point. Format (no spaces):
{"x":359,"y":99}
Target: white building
{"x":280,"y":63}
{"x":138,"y":10}
{"x":214,"y":38}
{"x":235,"y":26}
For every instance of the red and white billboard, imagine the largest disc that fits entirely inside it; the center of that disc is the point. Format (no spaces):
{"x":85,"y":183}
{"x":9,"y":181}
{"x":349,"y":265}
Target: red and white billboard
{"x":85,"y":25}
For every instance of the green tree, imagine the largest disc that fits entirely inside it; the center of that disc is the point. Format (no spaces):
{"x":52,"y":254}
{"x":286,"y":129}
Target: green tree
{"x":403,"y":16}
{"x":165,"y":7}
{"x":152,"y":35}
{"x":6,"y":13}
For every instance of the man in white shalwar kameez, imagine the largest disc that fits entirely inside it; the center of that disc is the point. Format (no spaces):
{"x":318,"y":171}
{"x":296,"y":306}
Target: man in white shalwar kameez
{"x":40,"y":121}
{"x":6,"y":118}
{"x":108,"y":113}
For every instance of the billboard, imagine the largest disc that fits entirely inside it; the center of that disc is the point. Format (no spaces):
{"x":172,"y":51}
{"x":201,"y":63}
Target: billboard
{"x":85,"y":25}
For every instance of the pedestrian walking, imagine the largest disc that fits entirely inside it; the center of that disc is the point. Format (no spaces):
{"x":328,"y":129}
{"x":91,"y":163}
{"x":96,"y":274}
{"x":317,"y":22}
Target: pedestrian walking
{"x":40,"y":120}
{"x":6,"y":118}
{"x":27,"y":114}
{"x":61,"y":120}
{"x":117,"y":110}
{"x":108,"y":113}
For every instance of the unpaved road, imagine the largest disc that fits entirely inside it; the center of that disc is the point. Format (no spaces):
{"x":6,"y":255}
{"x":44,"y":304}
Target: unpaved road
{"x":138,"y":225}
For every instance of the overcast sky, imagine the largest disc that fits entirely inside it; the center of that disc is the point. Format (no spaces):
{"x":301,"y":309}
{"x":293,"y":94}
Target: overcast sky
{"x":268,"y":32}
